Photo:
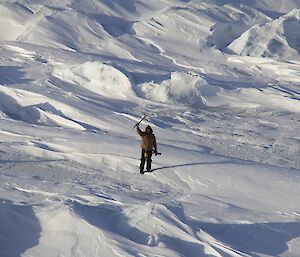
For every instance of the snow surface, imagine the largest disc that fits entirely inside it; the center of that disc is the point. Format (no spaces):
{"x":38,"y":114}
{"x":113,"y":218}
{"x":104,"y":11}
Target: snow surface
{"x":278,"y":38}
{"x":219,"y":80}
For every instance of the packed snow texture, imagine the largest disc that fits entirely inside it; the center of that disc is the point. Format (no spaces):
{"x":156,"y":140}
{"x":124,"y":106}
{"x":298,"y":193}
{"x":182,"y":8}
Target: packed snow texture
{"x":219,"y":81}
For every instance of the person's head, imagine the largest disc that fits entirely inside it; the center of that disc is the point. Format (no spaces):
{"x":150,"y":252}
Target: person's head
{"x":149,"y":130}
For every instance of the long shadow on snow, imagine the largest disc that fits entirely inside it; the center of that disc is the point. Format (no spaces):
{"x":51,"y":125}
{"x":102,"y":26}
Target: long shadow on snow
{"x":195,"y":164}
{"x":228,"y":160}
{"x":19,"y":229}
{"x":12,"y":75}
{"x":269,"y":238}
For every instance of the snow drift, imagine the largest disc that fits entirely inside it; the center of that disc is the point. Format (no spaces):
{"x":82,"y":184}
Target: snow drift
{"x":188,"y":89}
{"x":182,"y":88}
{"x":22,"y":105}
{"x":234,"y":21}
{"x":97,"y":77}
{"x":279,"y":38}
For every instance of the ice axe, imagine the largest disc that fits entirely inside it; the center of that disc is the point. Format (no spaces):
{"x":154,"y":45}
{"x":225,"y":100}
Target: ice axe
{"x":144,"y":117}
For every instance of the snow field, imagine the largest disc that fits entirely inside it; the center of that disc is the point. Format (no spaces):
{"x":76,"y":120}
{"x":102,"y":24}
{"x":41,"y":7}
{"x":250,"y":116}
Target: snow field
{"x":76,"y":77}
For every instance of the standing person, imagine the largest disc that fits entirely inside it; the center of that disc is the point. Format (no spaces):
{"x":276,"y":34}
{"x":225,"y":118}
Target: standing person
{"x":148,"y":145}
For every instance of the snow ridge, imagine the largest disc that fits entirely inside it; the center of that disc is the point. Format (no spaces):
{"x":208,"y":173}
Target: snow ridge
{"x":275,"y":39}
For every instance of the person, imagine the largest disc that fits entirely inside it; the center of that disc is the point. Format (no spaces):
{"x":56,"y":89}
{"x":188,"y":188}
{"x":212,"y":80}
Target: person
{"x":148,"y":145}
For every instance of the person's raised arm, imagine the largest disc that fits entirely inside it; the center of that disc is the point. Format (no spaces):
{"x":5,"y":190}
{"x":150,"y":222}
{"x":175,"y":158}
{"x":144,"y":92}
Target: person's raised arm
{"x":138,"y":130}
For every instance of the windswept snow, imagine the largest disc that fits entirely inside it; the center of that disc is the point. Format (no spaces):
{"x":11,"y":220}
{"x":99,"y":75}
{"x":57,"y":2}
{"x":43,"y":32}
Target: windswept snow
{"x":219,"y":81}
{"x":193,"y":93}
{"x":278,"y":38}
{"x":99,"y":78}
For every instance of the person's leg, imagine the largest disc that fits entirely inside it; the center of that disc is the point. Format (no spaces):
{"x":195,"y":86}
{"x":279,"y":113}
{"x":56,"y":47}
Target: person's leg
{"x":149,"y":160}
{"x":143,"y":160}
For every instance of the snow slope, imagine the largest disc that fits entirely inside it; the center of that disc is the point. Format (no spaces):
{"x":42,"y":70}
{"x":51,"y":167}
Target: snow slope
{"x":75,"y":77}
{"x":278,"y":39}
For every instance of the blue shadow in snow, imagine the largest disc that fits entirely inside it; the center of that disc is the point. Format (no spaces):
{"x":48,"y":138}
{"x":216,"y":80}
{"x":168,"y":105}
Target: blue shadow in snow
{"x":19,"y":229}
{"x":115,"y":26}
{"x":269,"y":238}
{"x":272,"y":14}
{"x":12,"y":75}
{"x":194,"y":164}
{"x":290,"y":35}
{"x":110,"y":218}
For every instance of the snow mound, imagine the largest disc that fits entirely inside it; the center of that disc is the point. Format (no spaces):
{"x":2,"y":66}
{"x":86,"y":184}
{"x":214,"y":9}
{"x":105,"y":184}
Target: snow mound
{"x":234,"y":21}
{"x":278,"y":39}
{"x":182,"y":88}
{"x":37,"y":109}
{"x":97,"y":77}
{"x":192,"y":90}
{"x":167,"y":230}
{"x":34,"y":114}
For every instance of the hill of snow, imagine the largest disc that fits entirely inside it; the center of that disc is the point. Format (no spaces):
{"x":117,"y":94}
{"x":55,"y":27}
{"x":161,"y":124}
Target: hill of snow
{"x":219,"y":81}
{"x":278,"y":39}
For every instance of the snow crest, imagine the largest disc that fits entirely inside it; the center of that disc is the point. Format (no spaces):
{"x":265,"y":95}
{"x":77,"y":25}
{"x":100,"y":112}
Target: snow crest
{"x":279,"y":38}
{"x":182,"y":88}
{"x":97,"y":77}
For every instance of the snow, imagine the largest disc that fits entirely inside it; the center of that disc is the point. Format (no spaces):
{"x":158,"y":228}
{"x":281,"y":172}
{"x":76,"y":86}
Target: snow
{"x":99,"y":78}
{"x":171,"y":91}
{"x":278,"y":38}
{"x":223,"y":102}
